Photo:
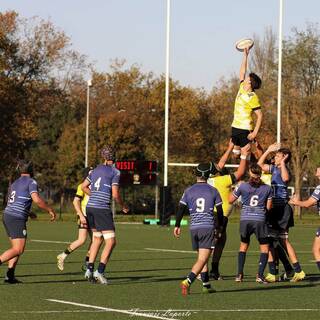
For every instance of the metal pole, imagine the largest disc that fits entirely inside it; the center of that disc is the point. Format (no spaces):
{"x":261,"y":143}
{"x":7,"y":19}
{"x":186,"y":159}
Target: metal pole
{"x":156,"y":213}
{"x":166,"y":118}
{"x":89,"y":84}
{"x":279,"y":73}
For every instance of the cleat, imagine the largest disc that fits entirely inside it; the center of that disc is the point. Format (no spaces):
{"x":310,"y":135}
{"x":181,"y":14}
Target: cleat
{"x":261,"y":279}
{"x":89,"y":275}
{"x":11,"y":280}
{"x":271,"y":278}
{"x":206,"y":290}
{"x":60,"y":262}
{"x":239,"y":277}
{"x":286,"y":276}
{"x":298,"y":276}
{"x":99,"y":277}
{"x":185,"y":287}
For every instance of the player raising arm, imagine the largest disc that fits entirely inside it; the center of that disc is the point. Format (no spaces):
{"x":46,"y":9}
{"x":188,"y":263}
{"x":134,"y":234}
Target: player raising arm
{"x":313,"y":200}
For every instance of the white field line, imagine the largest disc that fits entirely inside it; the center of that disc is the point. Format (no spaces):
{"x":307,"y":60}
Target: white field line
{"x":49,"y":241}
{"x":169,"y":310}
{"x":130,"y":313}
{"x":189,"y":251}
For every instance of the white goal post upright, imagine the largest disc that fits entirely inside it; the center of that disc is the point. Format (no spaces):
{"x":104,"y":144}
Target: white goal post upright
{"x":279,"y":73}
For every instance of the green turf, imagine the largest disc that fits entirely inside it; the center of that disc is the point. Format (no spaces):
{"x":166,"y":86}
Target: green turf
{"x":149,"y":280}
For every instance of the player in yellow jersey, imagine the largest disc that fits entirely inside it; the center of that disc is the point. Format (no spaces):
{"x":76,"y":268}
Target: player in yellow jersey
{"x":79,"y":202}
{"x":224,"y":182}
{"x":246,"y":103}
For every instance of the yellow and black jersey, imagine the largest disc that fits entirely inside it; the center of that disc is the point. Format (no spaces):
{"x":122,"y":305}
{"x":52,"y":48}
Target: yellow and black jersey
{"x":224,"y":184}
{"x":84,"y":198}
{"x":245,"y":103}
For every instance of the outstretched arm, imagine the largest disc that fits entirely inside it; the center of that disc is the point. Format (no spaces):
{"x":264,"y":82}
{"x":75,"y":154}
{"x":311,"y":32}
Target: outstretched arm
{"x":244,"y":64}
{"x":305,"y":204}
{"x":261,"y":162}
{"x":245,"y":151}
{"x":226,"y":155}
{"x":43,"y":205}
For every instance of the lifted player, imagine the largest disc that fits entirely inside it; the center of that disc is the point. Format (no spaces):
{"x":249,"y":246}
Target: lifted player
{"x":199,"y":200}
{"x":313,"y":200}
{"x":246,"y":103}
{"x":22,"y":192}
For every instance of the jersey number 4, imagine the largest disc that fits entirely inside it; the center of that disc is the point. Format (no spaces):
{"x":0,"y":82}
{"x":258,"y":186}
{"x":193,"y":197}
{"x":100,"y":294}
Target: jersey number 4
{"x":97,"y":183}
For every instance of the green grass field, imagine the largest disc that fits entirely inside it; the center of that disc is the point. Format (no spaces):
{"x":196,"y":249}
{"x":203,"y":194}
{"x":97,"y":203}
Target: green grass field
{"x":145,"y":279}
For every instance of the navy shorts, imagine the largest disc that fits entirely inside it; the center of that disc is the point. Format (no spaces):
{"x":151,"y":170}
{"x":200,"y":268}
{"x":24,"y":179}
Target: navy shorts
{"x":318,"y":233}
{"x":15,"y":228}
{"x":202,"y":238}
{"x":100,"y":219}
{"x":259,"y":228}
{"x":240,"y":137}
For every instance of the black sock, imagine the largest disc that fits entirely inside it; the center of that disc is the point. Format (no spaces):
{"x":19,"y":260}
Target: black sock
{"x":272,"y":268}
{"x":241,"y":261}
{"x":68,"y":250}
{"x":101,"y":267}
{"x":284,"y":259}
{"x":205,"y":279}
{"x":262,"y":263}
{"x":318,"y":264}
{"x":191,"y":277}
{"x":0,"y":262}
{"x":91,"y":266}
{"x":86,"y":259}
{"x":10,"y":273}
{"x":215,"y":268}
{"x":296,"y":267}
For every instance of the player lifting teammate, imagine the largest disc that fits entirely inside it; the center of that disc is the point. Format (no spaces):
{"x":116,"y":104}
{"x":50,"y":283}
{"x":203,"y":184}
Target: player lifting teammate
{"x":199,"y":200}
{"x":313,"y":200}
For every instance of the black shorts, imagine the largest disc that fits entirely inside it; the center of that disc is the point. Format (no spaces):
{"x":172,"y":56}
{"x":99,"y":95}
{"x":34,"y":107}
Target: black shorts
{"x":100,"y":219}
{"x":202,"y":238}
{"x":15,"y":228}
{"x":280,"y":217}
{"x":82,"y":226}
{"x":240,"y":137}
{"x":259,"y":228}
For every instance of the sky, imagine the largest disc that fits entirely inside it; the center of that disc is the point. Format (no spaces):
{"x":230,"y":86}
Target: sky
{"x":203,"y":32}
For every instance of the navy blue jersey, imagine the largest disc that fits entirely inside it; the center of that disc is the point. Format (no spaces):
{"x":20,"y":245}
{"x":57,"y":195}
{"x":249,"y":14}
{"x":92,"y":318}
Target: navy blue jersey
{"x":279,"y":187}
{"x":200,"y":199}
{"x":316,"y":195}
{"x":254,"y":200}
{"x":101,"y":179}
{"x":19,"y":200}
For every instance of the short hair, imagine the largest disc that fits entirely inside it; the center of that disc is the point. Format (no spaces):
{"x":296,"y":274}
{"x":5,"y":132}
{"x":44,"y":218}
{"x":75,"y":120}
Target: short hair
{"x":255,"y":81}
{"x":24,"y":166}
{"x":204,"y":170}
{"x":86,"y":171}
{"x":108,"y":153}
{"x":285,"y":151}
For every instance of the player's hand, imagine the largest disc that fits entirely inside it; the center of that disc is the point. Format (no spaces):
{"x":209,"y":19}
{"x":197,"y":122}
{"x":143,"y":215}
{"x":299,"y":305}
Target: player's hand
{"x":83,"y":220}
{"x":52,"y":214}
{"x":283,"y":160}
{"x":231,"y":144}
{"x":274,"y":147}
{"x":293,"y":200}
{"x":125,"y":209}
{"x":246,"y":51}
{"x":246,"y":149}
{"x":177,"y":232}
{"x":251,"y":136}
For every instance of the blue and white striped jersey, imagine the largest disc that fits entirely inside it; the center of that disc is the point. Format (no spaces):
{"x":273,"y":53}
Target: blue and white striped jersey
{"x":19,"y":200}
{"x":201,"y":198}
{"x":316,"y":195}
{"x":254,"y":200}
{"x":279,"y":187}
{"x":101,"y":179}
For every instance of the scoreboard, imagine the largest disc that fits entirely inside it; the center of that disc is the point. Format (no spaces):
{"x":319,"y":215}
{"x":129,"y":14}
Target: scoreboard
{"x":137,"y":172}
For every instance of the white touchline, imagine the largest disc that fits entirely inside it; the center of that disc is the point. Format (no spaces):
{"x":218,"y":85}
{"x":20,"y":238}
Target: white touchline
{"x":131,"y":313}
{"x":49,"y":241}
